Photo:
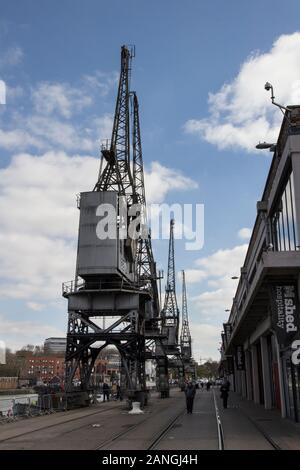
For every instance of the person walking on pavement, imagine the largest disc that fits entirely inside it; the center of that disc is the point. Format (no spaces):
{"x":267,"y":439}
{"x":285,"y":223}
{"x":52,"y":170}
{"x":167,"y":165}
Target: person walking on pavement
{"x":225,"y":392}
{"x":119,"y":393}
{"x":190,"y":392}
{"x":105,"y":391}
{"x":208,"y":385}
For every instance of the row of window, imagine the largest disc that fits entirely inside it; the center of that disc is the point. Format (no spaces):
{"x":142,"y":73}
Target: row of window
{"x":35,"y":361}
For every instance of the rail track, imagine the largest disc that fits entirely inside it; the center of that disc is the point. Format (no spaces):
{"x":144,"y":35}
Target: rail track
{"x":57,"y":424}
{"x":268,"y":438}
{"x":158,"y":437}
{"x":222,"y":437}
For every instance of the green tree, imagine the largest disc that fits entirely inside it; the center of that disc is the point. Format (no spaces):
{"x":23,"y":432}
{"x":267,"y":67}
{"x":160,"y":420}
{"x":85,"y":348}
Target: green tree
{"x":208,"y":370}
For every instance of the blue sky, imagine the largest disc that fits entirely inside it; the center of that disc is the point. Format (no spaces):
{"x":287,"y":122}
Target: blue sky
{"x":199,"y":72}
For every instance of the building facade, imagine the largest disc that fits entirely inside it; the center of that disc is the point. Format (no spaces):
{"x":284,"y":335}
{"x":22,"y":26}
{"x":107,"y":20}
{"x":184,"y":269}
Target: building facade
{"x":55,"y":345}
{"x":43,"y":368}
{"x":260,"y":340}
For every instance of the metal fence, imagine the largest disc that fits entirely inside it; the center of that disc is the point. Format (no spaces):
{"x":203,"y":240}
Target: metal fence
{"x":19,"y":407}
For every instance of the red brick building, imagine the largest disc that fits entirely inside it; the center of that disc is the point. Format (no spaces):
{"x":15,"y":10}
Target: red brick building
{"x":43,"y":368}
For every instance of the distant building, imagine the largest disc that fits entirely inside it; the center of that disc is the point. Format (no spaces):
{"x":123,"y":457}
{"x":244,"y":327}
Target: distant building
{"x":43,"y":368}
{"x":50,"y":368}
{"x":7,"y":383}
{"x":55,"y":345}
{"x":113,"y":367}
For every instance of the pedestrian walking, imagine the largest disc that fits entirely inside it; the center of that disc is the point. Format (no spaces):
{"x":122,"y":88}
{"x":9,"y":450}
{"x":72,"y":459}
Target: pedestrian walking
{"x":105,"y":391}
{"x":208,"y":385}
{"x":190,"y":392}
{"x":224,"y":389}
{"x":119,"y":393}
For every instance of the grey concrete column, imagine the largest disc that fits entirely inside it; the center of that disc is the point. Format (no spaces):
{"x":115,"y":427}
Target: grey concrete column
{"x":237,"y":378}
{"x":243,"y":380}
{"x":255,"y":374}
{"x":231,"y":380}
{"x":281,"y":381}
{"x":248,"y":375}
{"x":239,"y":382}
{"x":266,"y":372}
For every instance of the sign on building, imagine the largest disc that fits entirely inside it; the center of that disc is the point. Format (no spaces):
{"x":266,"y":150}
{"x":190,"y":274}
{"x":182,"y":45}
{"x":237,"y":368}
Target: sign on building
{"x":227,"y":330}
{"x":285,"y":312}
{"x":240,"y":357}
{"x":229,"y":365}
{"x":223,"y":341}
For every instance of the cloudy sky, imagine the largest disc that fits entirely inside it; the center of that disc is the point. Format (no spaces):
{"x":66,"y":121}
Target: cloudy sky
{"x":199,"y":71}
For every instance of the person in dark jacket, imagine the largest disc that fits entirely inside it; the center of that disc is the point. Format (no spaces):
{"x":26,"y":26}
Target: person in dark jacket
{"x":190,"y":392}
{"x":105,"y":391}
{"x":119,"y":393}
{"x":208,"y":385}
{"x":224,"y":389}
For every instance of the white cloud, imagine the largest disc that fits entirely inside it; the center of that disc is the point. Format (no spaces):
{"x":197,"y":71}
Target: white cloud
{"x":217,"y":270}
{"x":19,"y":333}
{"x":228,"y":135}
{"x":13,"y":92}
{"x":60,"y":98}
{"x":33,"y":267}
{"x":205,"y":341}
{"x":12,"y":56}
{"x":102,"y":82}
{"x":18,"y":139}
{"x":213,"y":303}
{"x":38,"y":193}
{"x":2,"y":93}
{"x":35,"y":306}
{"x":54,"y":133}
{"x":245,"y":233}
{"x":45,"y":133}
{"x":49,"y":120}
{"x":241,"y":113}
{"x":209,"y":306}
{"x":103,"y":126}
{"x":159,"y":180}
{"x":224,"y":262}
{"x":195,"y":275}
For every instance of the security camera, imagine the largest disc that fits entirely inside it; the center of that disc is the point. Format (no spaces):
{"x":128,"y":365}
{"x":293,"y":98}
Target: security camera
{"x":268,"y":86}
